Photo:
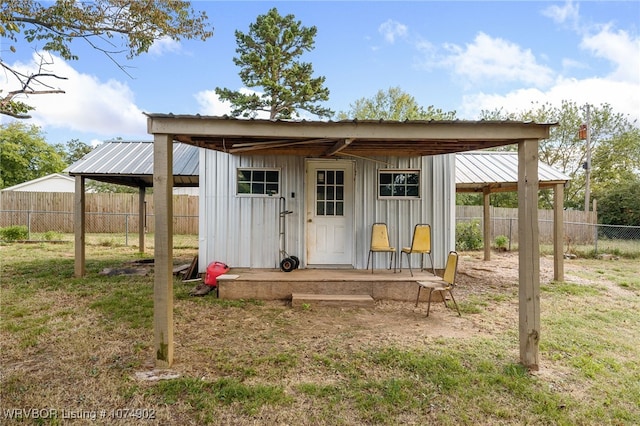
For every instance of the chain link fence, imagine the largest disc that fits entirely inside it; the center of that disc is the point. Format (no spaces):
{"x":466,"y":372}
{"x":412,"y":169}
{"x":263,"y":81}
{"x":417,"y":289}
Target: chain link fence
{"x":584,"y":238}
{"x":101,"y":228}
{"x":105,"y":228}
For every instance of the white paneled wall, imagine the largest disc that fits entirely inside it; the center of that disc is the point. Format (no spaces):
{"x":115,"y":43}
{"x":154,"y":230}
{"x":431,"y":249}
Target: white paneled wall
{"x":243,"y":231}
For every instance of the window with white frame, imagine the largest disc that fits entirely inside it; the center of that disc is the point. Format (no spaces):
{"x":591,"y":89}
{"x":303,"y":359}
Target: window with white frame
{"x":398,"y":183}
{"x":258,"y":182}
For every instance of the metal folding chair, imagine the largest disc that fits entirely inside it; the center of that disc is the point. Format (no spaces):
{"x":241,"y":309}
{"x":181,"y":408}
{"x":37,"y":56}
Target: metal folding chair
{"x":447,"y":284}
{"x":420,"y":244}
{"x":380,"y":244}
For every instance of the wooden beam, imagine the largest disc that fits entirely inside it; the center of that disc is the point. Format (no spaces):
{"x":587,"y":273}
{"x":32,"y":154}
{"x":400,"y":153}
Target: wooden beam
{"x":558,"y":233}
{"x":452,"y":131}
{"x":270,"y":145}
{"x":163,"y":250}
{"x":486,"y":222}
{"x":141,"y":218}
{"x":339,"y":146}
{"x":529,"y":253}
{"x":79,"y":208}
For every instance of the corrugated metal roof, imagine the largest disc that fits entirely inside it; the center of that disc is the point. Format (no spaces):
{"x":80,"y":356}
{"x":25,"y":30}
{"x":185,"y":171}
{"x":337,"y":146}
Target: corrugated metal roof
{"x":482,"y":168}
{"x":131,"y":163}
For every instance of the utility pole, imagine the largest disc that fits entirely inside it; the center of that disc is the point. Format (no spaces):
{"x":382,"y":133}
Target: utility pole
{"x":587,"y":164}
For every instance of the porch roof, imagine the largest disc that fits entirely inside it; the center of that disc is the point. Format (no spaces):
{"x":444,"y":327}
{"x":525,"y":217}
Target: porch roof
{"x":351,"y":138}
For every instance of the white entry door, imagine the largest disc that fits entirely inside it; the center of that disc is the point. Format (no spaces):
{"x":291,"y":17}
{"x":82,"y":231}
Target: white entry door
{"x":329,"y":209}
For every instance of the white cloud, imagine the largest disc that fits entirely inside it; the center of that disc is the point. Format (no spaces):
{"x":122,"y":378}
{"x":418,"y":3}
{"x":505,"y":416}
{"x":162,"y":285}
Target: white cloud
{"x":164,"y":45}
{"x":619,"y":88}
{"x":391,"y":29}
{"x":495,"y":60}
{"x":211,"y":104}
{"x":594,"y":91}
{"x":618,"y":48}
{"x":561,"y":14}
{"x":88,"y":104}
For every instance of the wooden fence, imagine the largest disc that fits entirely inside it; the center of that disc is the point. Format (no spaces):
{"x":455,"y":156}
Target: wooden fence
{"x":118,"y":213}
{"x":578,"y":225}
{"x":105,"y":212}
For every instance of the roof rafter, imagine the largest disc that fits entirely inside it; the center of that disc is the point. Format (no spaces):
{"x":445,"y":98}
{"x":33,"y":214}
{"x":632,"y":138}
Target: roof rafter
{"x":339,"y":146}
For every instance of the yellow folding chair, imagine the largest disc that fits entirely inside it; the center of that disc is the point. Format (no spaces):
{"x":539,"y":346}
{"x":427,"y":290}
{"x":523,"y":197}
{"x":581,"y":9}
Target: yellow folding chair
{"x":420,"y":244}
{"x":447,"y":284}
{"x":380,"y":244}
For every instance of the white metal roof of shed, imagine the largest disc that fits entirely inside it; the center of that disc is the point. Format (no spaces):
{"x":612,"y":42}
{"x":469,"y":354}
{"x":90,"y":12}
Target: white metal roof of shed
{"x":131,"y":163}
{"x":498,"y":170}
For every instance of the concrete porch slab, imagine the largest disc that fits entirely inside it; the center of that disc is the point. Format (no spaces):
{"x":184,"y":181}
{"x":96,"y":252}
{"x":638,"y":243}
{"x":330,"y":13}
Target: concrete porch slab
{"x":272,"y":284}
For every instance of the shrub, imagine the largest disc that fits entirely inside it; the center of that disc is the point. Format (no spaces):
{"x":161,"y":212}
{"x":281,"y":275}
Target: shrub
{"x":52,"y":235}
{"x":501,"y":242}
{"x":14,"y":233}
{"x":468,"y":236}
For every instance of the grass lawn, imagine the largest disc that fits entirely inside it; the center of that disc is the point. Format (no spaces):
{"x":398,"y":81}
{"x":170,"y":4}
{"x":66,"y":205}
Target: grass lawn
{"x":71,"y":349}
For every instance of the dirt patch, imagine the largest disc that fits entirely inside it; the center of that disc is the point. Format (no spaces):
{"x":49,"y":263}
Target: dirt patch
{"x":389,"y":323}
{"x":492,"y":283}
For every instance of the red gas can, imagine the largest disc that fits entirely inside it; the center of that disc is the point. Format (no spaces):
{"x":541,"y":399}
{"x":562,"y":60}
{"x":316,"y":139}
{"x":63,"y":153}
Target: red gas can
{"x":214,"y":270}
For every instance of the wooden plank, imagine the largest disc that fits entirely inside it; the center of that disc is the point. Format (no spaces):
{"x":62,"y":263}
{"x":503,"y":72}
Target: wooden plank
{"x":163,"y":250}
{"x":79,"y":227}
{"x":529,"y":254}
{"x":141,"y":218}
{"x":486,"y":216}
{"x":192,"y":272}
{"x":558,"y":233}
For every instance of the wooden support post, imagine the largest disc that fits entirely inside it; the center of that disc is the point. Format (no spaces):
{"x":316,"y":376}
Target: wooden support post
{"x":141,"y":218}
{"x":558,"y":232}
{"x":529,"y":253}
{"x":486,"y":220}
{"x":163,"y":250}
{"x":79,"y":227}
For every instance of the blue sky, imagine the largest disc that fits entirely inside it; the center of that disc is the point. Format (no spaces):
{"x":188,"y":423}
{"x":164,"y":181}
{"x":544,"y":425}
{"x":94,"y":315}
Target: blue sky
{"x":454,"y":55}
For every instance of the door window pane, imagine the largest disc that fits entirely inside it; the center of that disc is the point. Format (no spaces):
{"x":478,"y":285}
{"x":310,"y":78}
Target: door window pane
{"x":330,"y":193}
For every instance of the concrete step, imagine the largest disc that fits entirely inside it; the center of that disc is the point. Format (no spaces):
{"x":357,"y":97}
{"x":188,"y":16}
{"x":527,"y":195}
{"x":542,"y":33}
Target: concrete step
{"x":339,"y":300}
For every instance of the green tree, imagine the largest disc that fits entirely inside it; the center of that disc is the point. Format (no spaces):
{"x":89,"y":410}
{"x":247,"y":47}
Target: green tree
{"x":268,"y":59}
{"x":620,"y":204}
{"x":100,"y":23}
{"x":97,"y":186}
{"x":617,"y":161}
{"x":611,"y":132}
{"x":394,"y":104}
{"x":73,"y":150}
{"x":24,"y":155}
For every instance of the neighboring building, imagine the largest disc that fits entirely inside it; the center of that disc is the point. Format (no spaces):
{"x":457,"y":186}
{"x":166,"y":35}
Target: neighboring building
{"x":55,"y":182}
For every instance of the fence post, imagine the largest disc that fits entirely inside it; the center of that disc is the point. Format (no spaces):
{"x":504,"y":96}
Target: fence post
{"x":510,"y":224}
{"x":126,"y":230}
{"x":594,"y":220}
{"x":29,"y":225}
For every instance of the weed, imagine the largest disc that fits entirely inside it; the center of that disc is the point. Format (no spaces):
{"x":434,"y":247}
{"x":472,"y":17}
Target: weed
{"x":468,"y":236}
{"x":14,"y":233}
